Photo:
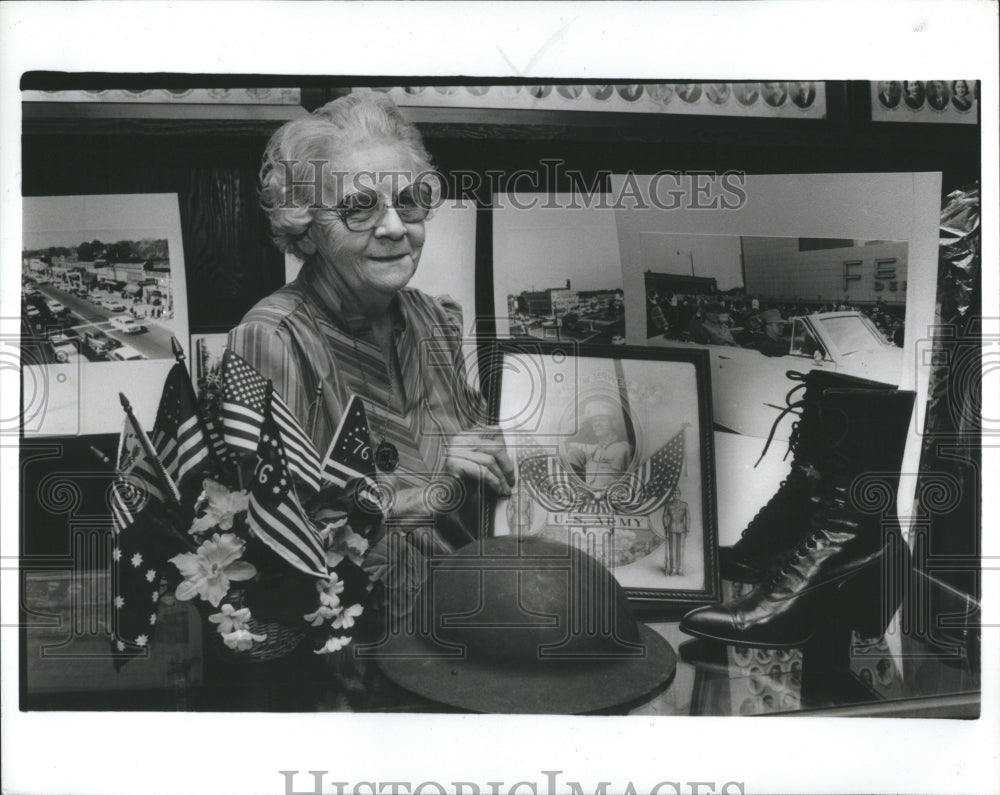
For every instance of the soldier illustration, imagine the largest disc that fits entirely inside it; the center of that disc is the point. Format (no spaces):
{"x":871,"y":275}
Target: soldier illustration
{"x":602,"y":462}
{"x":676,"y":523}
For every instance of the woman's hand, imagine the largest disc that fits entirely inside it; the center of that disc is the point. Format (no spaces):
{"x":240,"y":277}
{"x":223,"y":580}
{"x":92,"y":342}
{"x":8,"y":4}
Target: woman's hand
{"x":482,"y":458}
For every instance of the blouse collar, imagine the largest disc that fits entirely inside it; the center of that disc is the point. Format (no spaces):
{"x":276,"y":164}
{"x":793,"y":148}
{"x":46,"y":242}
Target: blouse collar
{"x":318,"y":289}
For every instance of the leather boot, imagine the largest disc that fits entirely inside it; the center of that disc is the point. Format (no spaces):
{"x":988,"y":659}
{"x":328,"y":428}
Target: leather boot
{"x":780,"y":524}
{"x":849,"y":567}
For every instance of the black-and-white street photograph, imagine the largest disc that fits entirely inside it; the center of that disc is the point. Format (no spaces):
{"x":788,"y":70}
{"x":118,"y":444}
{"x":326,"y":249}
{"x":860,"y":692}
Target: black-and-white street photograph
{"x":91,"y":300}
{"x":766,"y":305}
{"x":560,"y":271}
{"x":103,"y":293}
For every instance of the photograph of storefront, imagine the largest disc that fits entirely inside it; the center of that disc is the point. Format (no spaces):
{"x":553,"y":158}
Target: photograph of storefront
{"x":97,"y":302}
{"x":594,"y":316}
{"x":559,"y":274}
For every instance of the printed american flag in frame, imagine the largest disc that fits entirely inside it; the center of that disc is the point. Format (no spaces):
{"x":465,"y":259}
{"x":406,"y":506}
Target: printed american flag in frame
{"x":613,"y":451}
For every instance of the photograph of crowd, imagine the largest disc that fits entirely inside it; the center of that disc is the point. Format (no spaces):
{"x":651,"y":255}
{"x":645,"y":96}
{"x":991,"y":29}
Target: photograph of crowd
{"x":749,"y":322}
{"x":764,"y":306}
{"x":746,"y":291}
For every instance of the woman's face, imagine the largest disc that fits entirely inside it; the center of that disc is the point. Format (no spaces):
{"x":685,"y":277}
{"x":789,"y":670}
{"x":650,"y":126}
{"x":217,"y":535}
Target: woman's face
{"x":961,"y":89}
{"x":375,"y":264}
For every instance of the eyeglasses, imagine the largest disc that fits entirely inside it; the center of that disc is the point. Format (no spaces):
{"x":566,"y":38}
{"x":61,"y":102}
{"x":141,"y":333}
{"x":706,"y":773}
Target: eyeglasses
{"x":363,"y":210}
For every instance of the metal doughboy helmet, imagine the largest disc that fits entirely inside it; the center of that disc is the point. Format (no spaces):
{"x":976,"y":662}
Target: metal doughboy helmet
{"x":526,"y":625}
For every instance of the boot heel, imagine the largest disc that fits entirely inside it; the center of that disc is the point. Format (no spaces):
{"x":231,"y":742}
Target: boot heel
{"x":867,"y":602}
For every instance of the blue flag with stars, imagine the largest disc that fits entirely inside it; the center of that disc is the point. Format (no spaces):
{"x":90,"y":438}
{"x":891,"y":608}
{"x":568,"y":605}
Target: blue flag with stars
{"x":136,"y":588}
{"x":143,"y":523}
{"x":351,"y":454}
{"x":275,"y":513}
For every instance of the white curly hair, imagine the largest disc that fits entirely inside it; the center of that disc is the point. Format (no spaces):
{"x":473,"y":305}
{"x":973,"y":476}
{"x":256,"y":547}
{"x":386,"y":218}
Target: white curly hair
{"x":288,"y":171}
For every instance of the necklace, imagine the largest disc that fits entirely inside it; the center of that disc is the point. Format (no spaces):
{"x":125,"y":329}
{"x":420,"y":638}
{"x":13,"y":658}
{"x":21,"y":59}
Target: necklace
{"x":386,"y":454}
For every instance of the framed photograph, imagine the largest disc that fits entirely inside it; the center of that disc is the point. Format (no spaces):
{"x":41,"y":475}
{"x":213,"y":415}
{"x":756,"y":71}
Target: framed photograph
{"x":792,"y":99}
{"x":613,"y":450}
{"x":925,"y":101}
{"x":177,"y":96}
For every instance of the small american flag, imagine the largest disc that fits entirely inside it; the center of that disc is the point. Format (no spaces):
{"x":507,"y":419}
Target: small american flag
{"x":178,"y":435}
{"x":245,"y":394}
{"x":139,"y":477}
{"x":642,"y":492}
{"x":658,"y":476}
{"x":548,"y":481}
{"x":222,"y":452}
{"x":275,"y":513}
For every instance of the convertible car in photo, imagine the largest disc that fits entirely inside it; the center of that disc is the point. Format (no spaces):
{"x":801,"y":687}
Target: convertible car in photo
{"x":749,"y":388}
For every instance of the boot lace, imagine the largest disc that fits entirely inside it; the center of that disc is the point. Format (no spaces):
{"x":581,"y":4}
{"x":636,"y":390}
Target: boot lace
{"x":779,"y":496}
{"x":791,"y":407}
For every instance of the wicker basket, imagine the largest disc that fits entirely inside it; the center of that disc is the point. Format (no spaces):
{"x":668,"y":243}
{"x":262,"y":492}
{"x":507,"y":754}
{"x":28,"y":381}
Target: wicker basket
{"x":281,"y":640}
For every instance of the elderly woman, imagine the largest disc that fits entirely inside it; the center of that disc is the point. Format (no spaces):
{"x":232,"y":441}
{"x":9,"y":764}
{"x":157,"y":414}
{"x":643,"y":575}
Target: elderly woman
{"x":347,"y":189}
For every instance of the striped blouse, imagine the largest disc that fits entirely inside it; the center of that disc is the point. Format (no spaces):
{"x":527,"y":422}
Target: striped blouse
{"x":318,"y":354}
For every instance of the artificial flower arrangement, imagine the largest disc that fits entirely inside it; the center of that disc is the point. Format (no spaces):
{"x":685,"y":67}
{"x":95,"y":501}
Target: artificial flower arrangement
{"x":251,"y":589}
{"x":258,"y":604}
{"x":270,"y":553}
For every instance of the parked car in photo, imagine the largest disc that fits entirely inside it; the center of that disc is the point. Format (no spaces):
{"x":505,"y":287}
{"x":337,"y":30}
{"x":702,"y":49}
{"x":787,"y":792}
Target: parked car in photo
{"x":115,"y":306}
{"x":65,"y":349}
{"x":749,"y":388}
{"x":125,"y":353}
{"x":126,"y":325}
{"x":33,"y":313}
{"x":99,"y":345}
{"x":55,"y":307}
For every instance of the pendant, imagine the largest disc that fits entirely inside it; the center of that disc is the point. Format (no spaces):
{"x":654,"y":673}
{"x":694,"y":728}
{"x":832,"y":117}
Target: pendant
{"x":386,"y":456}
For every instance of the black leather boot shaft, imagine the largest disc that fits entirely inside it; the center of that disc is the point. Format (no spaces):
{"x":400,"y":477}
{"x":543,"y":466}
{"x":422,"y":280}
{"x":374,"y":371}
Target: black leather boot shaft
{"x":782,"y":522}
{"x":859,"y":438}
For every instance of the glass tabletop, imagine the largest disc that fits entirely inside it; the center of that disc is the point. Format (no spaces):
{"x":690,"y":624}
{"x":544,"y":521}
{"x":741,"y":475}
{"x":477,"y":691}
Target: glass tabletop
{"x":65,"y":665}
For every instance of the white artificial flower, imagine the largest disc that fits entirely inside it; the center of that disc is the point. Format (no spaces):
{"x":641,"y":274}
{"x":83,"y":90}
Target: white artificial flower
{"x":333,"y":644}
{"x":230,"y":619}
{"x":241,"y":639}
{"x":346,"y":619}
{"x":322,"y":613}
